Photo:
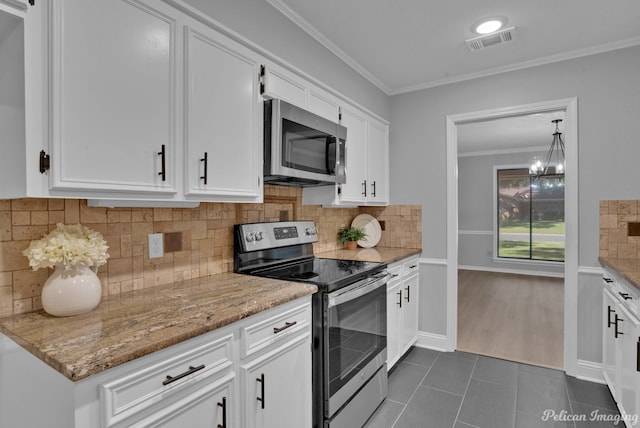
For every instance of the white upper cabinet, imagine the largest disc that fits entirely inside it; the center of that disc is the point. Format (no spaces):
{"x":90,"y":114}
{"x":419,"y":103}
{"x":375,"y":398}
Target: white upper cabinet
{"x":355,"y":190}
{"x":223,"y":113}
{"x":324,"y":105}
{"x":113,"y":96}
{"x":283,"y":85}
{"x":378,"y":162}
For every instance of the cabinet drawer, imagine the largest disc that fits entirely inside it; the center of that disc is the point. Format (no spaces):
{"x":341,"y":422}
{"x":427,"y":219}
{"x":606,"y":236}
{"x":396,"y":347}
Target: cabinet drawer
{"x":395,"y":272}
{"x":137,"y":390}
{"x":275,"y":328}
{"x":410,"y":267}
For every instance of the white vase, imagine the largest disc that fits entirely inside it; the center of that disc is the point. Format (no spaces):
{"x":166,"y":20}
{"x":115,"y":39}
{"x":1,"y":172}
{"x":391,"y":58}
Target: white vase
{"x":71,"y":292}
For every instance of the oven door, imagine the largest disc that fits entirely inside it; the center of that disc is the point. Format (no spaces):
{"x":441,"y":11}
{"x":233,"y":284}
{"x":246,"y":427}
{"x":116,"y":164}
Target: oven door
{"x":355,"y":339}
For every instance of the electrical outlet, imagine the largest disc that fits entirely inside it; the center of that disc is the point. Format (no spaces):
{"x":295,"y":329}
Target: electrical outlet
{"x":156,"y":247}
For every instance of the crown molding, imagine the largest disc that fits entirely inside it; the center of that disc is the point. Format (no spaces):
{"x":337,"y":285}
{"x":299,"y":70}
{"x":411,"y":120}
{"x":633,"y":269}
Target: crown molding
{"x":579,"y":53}
{"x":323,"y":40}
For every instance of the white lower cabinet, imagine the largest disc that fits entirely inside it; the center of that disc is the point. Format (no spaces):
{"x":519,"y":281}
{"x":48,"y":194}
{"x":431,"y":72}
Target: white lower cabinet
{"x":402,"y":309}
{"x":621,"y":348}
{"x":276,"y":387}
{"x":210,"y":381}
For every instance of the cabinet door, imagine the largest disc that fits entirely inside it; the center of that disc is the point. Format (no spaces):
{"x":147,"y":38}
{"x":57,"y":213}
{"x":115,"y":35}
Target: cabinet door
{"x":277,"y":387}
{"x":394,"y":320}
{"x":208,"y":407}
{"x":409,"y":312}
{"x":629,"y":344}
{"x":378,"y":162}
{"x":223,"y":118}
{"x":323,"y":106}
{"x":112,"y":96}
{"x":609,"y":342}
{"x":285,"y":86}
{"x":356,"y":188}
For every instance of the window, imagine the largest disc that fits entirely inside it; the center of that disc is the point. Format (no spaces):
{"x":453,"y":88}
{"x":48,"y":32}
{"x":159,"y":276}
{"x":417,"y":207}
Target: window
{"x":530,"y":213}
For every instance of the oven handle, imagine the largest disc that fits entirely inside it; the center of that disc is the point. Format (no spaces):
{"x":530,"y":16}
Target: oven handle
{"x":356,"y":290}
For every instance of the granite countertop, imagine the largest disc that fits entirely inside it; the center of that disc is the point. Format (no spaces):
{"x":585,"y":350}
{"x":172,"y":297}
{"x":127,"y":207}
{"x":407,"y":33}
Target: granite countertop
{"x":138,"y":323}
{"x":629,"y":269}
{"x":378,"y":254}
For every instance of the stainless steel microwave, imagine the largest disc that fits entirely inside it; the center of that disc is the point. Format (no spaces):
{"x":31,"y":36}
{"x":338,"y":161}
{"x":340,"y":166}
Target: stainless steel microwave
{"x":301,"y":148}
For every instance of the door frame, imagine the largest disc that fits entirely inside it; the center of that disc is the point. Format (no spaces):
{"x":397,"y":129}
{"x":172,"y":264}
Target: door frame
{"x":570,"y":108}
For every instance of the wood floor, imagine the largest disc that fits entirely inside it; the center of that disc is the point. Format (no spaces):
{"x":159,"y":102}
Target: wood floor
{"x":513,"y":317}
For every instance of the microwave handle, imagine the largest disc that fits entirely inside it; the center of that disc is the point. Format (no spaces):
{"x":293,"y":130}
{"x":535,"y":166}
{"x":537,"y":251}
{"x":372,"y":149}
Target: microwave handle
{"x":330,"y":140}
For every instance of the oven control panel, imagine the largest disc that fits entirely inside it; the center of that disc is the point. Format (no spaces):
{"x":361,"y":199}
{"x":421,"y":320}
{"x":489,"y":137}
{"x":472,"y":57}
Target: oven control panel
{"x":261,"y":236}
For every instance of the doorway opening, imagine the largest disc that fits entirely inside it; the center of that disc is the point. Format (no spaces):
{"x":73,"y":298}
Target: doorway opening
{"x":462,"y":236}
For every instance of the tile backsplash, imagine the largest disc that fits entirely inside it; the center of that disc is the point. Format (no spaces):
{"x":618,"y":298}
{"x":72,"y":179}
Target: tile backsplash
{"x":205,"y":238}
{"x":616,"y":241}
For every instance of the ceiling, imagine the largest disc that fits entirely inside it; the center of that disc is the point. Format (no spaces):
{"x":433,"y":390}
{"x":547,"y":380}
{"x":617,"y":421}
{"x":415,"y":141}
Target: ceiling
{"x":531,"y":132}
{"x":405,"y":45}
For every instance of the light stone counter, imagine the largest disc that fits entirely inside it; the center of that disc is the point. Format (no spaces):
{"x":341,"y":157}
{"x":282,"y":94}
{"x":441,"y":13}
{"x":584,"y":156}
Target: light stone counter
{"x":376,"y":254}
{"x":138,"y":323}
{"x":628,"y":269}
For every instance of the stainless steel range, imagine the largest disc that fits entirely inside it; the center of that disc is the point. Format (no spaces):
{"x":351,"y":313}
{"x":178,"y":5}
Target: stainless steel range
{"x":349,"y":316}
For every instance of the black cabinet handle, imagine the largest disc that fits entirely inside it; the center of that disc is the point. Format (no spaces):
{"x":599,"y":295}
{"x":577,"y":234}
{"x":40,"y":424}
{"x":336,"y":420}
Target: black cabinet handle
{"x":413,"y":266}
{"x":163,"y":157}
{"x":625,"y":296}
{"x":616,"y":331}
{"x":205,"y":159}
{"x":408,"y":298}
{"x":399,"y":293}
{"x":638,"y":355}
{"x":224,"y":413}
{"x":373,"y":190}
{"x":364,"y":188}
{"x":607,"y":280}
{"x":181,"y":375}
{"x":261,"y":398}
{"x":611,"y":311}
{"x":277,"y":330}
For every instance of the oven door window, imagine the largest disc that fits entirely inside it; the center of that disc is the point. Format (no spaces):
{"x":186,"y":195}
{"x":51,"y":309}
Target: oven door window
{"x":357,"y":333}
{"x":307,"y":149}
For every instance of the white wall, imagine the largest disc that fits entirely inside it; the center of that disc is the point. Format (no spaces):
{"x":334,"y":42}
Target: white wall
{"x":476,"y":202}
{"x":608,"y":91}
{"x":263,"y":25}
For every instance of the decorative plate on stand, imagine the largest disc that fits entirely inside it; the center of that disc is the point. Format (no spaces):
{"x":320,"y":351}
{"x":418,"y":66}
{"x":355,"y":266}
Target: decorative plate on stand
{"x":372,"y":228}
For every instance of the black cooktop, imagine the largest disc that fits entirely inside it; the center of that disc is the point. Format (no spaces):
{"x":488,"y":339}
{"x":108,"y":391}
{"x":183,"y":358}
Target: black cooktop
{"x":327,"y":274}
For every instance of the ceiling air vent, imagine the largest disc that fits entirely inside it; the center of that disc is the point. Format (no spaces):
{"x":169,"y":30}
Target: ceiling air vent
{"x":497,"y":38}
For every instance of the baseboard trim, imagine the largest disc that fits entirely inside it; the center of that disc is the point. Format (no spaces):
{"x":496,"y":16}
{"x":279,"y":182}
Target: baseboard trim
{"x":437,"y":342}
{"x":591,"y":371}
{"x":514,"y":271}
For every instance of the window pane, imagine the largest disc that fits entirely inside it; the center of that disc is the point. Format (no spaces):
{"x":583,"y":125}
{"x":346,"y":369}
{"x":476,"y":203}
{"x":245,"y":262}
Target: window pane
{"x":547,"y":218}
{"x":514,"y":238}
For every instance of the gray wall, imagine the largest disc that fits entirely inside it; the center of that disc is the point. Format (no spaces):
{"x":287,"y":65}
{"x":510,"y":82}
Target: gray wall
{"x":262,"y":24}
{"x":608,"y":91}
{"x":476,"y":200}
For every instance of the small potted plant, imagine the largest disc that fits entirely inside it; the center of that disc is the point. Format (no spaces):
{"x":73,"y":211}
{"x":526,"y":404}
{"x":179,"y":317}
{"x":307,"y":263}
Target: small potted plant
{"x":351,"y":235}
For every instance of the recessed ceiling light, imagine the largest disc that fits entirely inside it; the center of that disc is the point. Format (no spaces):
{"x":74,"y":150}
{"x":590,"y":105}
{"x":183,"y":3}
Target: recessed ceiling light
{"x":489,"y":26}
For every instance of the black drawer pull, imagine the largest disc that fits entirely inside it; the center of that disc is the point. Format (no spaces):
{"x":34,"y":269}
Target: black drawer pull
{"x":181,"y":375}
{"x":224,"y":413}
{"x":163,"y":169}
{"x":638,"y":355}
{"x":277,"y":330}
{"x":413,"y":266}
{"x":625,"y":296}
{"x":261,"y":398}
{"x":607,"y":280}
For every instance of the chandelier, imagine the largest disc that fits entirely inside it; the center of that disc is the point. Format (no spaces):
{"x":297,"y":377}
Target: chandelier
{"x":553,"y":163}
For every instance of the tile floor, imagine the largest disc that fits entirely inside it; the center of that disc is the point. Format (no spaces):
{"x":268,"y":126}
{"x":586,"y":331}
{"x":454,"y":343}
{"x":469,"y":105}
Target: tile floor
{"x":460,"y":390}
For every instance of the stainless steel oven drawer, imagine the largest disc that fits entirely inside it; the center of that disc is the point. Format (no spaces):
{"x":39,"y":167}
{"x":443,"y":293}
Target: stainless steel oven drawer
{"x":364,"y":404}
